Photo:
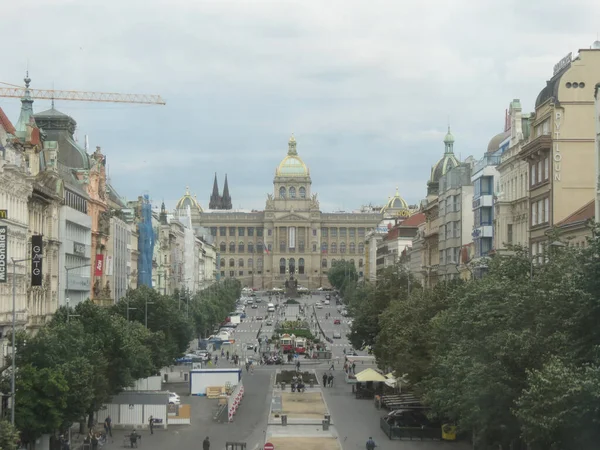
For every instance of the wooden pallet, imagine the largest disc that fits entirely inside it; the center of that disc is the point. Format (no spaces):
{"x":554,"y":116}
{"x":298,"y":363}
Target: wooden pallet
{"x":215,"y":391}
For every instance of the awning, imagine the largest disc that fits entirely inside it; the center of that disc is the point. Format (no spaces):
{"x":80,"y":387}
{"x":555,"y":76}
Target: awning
{"x":369,"y":375}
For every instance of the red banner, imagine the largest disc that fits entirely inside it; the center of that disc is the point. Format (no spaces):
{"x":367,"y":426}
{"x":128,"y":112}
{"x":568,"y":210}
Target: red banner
{"x":99,"y":267}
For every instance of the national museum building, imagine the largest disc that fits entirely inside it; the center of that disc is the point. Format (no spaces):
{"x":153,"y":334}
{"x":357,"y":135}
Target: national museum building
{"x":291,"y":235}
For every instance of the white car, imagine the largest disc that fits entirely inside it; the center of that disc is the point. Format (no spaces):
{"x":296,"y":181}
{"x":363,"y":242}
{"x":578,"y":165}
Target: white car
{"x":174,"y":399}
{"x":326,"y":302}
{"x":319,"y":306}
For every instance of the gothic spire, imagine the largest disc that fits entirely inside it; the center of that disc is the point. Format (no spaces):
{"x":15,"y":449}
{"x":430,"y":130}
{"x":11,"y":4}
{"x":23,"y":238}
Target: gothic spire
{"x":226,"y":197}
{"x":163,"y":214}
{"x":215,"y":198}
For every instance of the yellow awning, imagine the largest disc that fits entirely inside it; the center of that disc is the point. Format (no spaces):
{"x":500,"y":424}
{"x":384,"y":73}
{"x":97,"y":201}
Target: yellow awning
{"x":369,"y":375}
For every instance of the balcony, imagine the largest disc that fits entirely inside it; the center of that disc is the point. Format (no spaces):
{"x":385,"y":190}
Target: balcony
{"x":540,"y":143}
{"x":483,"y":231}
{"x":484,"y":162}
{"x":483,"y":200}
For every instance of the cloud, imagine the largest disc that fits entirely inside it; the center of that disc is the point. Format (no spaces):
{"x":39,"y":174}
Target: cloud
{"x":367,"y":87}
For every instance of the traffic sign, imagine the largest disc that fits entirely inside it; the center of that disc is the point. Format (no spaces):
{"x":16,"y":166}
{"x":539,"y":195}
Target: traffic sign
{"x":269,"y":446}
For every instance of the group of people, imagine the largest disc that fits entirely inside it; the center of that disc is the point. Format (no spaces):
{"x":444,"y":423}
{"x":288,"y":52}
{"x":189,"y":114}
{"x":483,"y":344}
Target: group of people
{"x":328,"y":379}
{"x":298,"y":384}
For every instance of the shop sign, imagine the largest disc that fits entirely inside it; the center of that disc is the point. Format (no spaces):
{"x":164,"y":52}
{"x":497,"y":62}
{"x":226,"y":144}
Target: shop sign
{"x":557,"y":156}
{"x":3,"y":253}
{"x":36,"y":259}
{"x":99,"y":267}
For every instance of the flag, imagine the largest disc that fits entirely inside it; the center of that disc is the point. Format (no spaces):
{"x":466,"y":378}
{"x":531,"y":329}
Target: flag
{"x":266,"y":247}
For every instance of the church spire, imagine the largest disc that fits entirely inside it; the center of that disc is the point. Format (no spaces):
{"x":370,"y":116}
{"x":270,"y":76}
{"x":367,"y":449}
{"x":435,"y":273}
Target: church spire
{"x":163,"y":214}
{"x":226,"y":200}
{"x":215,"y":198}
{"x":26,"y":115}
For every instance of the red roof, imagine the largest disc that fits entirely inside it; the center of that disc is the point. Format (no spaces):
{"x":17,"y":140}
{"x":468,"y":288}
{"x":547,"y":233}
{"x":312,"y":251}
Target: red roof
{"x":414,"y":221}
{"x":6,"y":123}
{"x":583,"y":214}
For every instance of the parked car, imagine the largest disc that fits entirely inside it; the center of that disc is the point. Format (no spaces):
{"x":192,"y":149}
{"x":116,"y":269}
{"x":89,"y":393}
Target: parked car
{"x":255,"y":306}
{"x":319,"y":306}
{"x":174,"y":399}
{"x":269,"y":323}
{"x":337,"y":335}
{"x":259,"y":317}
{"x":337,"y":322}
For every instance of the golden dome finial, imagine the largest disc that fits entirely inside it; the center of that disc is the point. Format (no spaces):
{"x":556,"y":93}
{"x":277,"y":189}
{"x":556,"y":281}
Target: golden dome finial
{"x":292,"y":145}
{"x":397,"y":192}
{"x":187,"y":190}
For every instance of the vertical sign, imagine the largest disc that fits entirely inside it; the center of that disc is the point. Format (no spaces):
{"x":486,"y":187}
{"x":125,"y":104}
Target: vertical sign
{"x":99,"y":267}
{"x":36,"y":259}
{"x":292,"y":237}
{"x":3,"y":253}
{"x":109,"y":265}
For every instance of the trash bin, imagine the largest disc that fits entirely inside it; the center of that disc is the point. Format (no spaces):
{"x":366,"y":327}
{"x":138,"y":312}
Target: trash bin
{"x":166,"y":377}
{"x":284,"y":420}
{"x":325,"y":425}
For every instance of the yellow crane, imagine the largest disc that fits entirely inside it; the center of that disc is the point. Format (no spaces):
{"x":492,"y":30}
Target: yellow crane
{"x":14,"y":91}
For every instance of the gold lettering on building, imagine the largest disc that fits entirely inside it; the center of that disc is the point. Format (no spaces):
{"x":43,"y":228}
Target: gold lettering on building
{"x":557,"y":156}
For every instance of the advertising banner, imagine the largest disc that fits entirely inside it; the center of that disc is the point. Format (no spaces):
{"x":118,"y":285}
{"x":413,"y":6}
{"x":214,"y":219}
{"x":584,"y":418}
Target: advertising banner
{"x":99,"y":267}
{"x":37,"y":246}
{"x":109,"y":265}
{"x":3,"y":253}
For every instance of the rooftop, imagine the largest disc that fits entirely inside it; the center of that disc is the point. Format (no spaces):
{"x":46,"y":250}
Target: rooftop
{"x":413,"y":221}
{"x":581,"y":216}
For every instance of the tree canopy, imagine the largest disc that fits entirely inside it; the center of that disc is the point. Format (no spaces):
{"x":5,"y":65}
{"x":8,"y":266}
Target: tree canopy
{"x":512,"y":358}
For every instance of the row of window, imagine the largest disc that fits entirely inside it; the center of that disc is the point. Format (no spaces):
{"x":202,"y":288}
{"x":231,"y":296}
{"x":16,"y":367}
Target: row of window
{"x":75,"y":201}
{"x":540,"y":212}
{"x":291,"y":192}
{"x":240,"y":262}
{"x":483,"y":216}
{"x":539,"y":172}
{"x":450,"y":230}
{"x":258,"y":231}
{"x":241,"y":247}
{"x":515,"y":187}
{"x":452,"y":204}
{"x":333,"y":248}
{"x":450,"y":255}
{"x":483,"y":186}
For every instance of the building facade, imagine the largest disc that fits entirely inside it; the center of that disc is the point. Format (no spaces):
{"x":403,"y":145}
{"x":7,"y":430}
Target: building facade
{"x":511,"y":201}
{"x":455,"y":218}
{"x":561,"y":151}
{"x":291,"y":235}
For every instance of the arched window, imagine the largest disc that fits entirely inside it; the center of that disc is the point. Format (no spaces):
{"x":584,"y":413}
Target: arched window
{"x":223,"y":247}
{"x":360,"y":262}
{"x":301,"y":266}
{"x":240,"y":262}
{"x":282,"y":266}
{"x":333,"y":247}
{"x":324,"y":247}
{"x":281,"y":192}
{"x":324,"y":263}
{"x":250,"y":247}
{"x":361,"y":247}
{"x":232,"y":247}
{"x":241,"y":247}
{"x":259,"y":247}
{"x":333,"y":262}
{"x":222,"y":263}
{"x":342,"y":247}
{"x":352,"y":247}
{"x":302,"y":192}
{"x":292,"y":192}
{"x":231,"y":262}
{"x":292,"y":266}
{"x":250,"y":263}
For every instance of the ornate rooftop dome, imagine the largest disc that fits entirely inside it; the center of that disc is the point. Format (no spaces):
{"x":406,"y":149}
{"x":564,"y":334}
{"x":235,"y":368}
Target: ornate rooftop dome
{"x":395,"y":203}
{"x":447,"y":162}
{"x":292,"y":165}
{"x":495,"y":142}
{"x":189,"y":200}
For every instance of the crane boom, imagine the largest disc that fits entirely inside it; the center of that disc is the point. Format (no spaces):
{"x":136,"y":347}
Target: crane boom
{"x":80,"y":96}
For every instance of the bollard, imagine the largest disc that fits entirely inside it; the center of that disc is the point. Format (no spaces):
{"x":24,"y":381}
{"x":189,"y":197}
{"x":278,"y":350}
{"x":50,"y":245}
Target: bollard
{"x":325,"y":425}
{"x":327,"y":418}
{"x":284,"y":420}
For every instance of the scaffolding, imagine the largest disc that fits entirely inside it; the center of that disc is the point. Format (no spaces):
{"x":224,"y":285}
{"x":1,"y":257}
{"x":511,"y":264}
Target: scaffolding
{"x":146,"y":239}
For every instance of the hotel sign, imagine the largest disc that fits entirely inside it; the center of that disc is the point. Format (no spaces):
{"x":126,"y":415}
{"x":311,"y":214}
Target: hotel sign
{"x":3,"y":253}
{"x":563,"y":63}
{"x":36,"y":259}
{"x":557,"y":156}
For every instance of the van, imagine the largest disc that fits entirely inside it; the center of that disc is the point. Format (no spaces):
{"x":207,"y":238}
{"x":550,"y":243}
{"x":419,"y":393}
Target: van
{"x":270,"y":307}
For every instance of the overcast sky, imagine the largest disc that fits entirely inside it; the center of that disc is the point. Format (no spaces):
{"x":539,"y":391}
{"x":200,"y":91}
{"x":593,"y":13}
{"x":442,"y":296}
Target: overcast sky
{"x":367,"y":87}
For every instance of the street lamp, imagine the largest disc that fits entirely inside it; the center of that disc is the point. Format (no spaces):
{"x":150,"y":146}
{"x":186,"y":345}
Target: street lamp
{"x":14,"y":331}
{"x":129,"y":309}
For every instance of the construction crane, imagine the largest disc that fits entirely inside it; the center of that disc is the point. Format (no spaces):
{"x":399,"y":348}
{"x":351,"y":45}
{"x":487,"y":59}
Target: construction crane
{"x":14,"y":91}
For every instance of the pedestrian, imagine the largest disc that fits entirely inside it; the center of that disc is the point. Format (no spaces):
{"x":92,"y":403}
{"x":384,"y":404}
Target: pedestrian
{"x":354,"y":368}
{"x":227,"y":355}
{"x":324,"y":380}
{"x":151,"y":424}
{"x":216,"y":360}
{"x":206,"y":444}
{"x":94,"y":441}
{"x":108,"y":426}
{"x":332,"y":367}
{"x":371,"y":444}
{"x":330,"y":379}
{"x":298,"y":365}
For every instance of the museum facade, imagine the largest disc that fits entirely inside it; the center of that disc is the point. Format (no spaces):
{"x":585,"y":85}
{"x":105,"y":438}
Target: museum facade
{"x":290,"y":237}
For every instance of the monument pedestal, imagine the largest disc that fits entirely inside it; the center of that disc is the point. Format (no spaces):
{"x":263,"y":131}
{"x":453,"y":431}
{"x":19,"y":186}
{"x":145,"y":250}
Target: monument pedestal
{"x":291,"y":288}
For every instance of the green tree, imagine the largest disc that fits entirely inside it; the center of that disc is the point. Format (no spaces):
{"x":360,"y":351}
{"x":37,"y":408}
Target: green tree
{"x":9,"y":436}
{"x":341,"y":274}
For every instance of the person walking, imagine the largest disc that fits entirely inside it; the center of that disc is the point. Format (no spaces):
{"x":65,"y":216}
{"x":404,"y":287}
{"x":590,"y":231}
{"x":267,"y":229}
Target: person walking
{"x":206,"y":444}
{"x":151,"y":424}
{"x":332,"y":367}
{"x":324,"y":380}
{"x":108,"y":426}
{"x":370,"y":445}
{"x":330,"y":380}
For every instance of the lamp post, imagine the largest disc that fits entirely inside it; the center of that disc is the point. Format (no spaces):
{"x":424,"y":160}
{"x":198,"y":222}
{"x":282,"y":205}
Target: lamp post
{"x":69,"y":315}
{"x":146,"y":313}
